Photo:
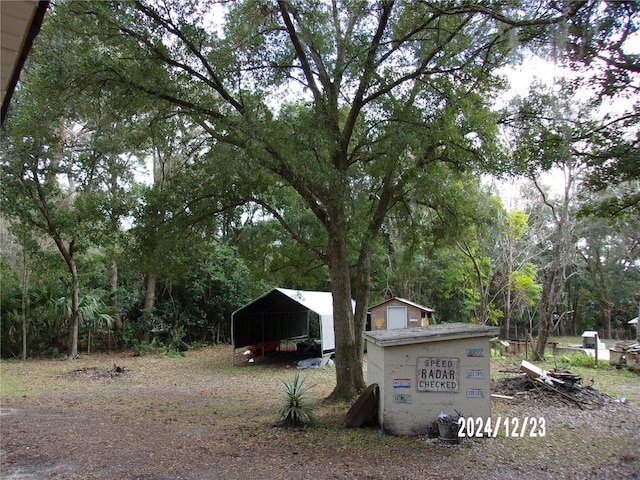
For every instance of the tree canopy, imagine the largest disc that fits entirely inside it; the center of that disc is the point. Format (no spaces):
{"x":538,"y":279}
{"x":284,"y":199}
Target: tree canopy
{"x":345,"y":122}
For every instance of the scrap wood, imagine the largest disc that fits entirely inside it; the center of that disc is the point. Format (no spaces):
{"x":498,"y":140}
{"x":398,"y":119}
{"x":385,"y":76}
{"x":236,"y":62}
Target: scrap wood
{"x":626,"y":346}
{"x":547,"y":386}
{"x":571,"y":379}
{"x":531,"y":369}
{"x":536,"y":372}
{"x":568,"y":393}
{"x":553,"y":375}
{"x":567,"y":375}
{"x":506,"y":397}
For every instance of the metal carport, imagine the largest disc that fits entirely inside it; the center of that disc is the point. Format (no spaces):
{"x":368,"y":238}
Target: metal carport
{"x":283,"y":314}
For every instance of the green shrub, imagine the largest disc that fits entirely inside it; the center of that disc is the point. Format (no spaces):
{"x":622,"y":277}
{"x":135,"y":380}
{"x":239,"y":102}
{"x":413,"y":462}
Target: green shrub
{"x":296,"y":410}
{"x":156,"y":347}
{"x":53,"y":353}
{"x":580,"y":360}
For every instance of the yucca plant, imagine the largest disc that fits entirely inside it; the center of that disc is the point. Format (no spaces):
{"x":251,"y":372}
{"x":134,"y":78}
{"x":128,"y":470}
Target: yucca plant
{"x":297,"y":409}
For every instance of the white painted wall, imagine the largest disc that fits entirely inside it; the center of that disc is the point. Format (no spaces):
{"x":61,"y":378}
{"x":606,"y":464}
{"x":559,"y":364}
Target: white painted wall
{"x":395,"y":370}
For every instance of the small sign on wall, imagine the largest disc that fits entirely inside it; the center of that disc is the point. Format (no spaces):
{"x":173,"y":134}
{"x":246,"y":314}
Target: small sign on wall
{"x":475,"y":373}
{"x":475,"y":393}
{"x":401,"y":383}
{"x":402,"y":398}
{"x":437,"y":374}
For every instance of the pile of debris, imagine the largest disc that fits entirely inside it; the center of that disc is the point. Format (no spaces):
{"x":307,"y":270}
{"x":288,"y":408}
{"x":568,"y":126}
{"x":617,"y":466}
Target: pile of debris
{"x":549,"y":385}
{"x":97,"y":372}
{"x":626,"y":352}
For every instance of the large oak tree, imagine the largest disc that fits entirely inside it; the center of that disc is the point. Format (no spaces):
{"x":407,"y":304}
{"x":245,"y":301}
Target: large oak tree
{"x":355,"y":106}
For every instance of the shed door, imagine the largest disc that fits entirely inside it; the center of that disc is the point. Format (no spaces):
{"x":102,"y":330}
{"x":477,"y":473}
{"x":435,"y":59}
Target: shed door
{"x":396,"y":317}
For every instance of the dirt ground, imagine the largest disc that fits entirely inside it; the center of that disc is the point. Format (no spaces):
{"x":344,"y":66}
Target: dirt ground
{"x":199,"y":417}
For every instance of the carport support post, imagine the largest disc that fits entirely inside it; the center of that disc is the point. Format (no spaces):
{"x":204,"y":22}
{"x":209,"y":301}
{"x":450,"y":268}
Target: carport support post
{"x":638,"y":317}
{"x":263,"y":339}
{"x":233,"y":342}
{"x":233,"y":345}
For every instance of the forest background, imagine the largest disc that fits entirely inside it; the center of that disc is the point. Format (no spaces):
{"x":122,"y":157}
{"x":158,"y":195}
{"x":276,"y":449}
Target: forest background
{"x":320,"y":146}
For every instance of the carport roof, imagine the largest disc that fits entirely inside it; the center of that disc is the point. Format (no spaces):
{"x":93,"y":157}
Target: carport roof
{"x":283,"y":298}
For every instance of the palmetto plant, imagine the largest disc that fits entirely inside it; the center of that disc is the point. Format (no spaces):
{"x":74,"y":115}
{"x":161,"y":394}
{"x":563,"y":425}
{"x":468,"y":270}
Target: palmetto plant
{"x":297,"y":409}
{"x":93,"y":313}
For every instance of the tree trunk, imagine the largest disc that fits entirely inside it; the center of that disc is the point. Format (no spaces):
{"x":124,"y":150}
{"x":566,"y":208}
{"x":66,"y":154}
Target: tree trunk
{"x":506,"y":321}
{"x":606,"y":308}
{"x":113,"y":271}
{"x":508,"y":308}
{"x":555,"y":279}
{"x":548,"y":303}
{"x":23,"y":304}
{"x":543,"y":330}
{"x":67,"y":254}
{"x":349,"y":374}
{"x":149,"y":300}
{"x":150,"y":292}
{"x":75,"y":301}
{"x":480,"y":311}
{"x":362,"y":296}
{"x":113,"y":284}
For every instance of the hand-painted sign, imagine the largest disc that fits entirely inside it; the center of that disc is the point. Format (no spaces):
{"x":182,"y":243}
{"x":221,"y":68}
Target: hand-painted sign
{"x":437,"y":374}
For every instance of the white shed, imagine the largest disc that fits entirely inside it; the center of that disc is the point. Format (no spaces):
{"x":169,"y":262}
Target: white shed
{"x":424,"y":371}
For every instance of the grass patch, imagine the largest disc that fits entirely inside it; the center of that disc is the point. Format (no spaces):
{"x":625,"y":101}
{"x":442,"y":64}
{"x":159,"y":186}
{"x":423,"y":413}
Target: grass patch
{"x":578,"y":360}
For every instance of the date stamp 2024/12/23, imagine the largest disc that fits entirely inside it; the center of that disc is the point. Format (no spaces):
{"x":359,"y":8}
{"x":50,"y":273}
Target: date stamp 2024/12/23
{"x":512,"y":427}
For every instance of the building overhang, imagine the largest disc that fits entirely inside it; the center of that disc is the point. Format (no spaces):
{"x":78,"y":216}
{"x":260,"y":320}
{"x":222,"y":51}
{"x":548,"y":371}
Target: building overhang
{"x":20,"y":22}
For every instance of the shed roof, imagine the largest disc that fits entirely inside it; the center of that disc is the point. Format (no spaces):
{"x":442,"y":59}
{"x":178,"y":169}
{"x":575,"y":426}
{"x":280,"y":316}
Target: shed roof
{"x":403,"y":300}
{"x":431,"y":333}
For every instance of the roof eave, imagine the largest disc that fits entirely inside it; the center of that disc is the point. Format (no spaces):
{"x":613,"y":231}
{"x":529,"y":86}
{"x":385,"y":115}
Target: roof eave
{"x":32,"y":33}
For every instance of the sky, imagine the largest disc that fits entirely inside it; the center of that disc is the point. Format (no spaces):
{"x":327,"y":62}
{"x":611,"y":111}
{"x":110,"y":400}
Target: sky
{"x":548,"y":73}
